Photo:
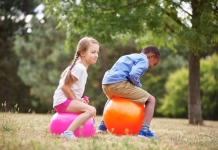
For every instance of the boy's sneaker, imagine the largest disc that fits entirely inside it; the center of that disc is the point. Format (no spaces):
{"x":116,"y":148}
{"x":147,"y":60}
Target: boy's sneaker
{"x":146,"y":133}
{"x":102,"y":128}
{"x":68,"y":135}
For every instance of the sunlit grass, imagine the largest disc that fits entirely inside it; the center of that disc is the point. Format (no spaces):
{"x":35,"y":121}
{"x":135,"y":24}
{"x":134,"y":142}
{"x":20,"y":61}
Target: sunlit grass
{"x":31,"y":131}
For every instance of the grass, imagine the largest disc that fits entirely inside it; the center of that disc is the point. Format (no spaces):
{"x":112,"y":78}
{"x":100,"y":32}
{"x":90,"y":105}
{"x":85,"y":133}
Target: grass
{"x":31,"y":131}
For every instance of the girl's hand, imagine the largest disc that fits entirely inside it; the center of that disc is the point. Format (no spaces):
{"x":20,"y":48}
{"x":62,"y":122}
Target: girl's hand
{"x":81,"y":100}
{"x":86,"y":99}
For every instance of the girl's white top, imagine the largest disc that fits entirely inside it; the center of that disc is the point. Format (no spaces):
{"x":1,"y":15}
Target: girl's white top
{"x":78,"y":87}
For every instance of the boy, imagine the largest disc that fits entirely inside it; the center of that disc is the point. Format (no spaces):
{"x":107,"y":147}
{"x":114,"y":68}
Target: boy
{"x":123,"y":80}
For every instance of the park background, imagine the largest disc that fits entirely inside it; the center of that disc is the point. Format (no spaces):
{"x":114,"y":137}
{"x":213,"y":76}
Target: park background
{"x":38,"y":41}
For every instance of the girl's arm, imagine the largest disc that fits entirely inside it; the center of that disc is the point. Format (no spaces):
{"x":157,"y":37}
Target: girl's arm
{"x":67,"y":90}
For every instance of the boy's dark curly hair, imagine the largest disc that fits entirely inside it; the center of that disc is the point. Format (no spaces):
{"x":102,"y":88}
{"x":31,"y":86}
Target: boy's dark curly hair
{"x":152,"y":49}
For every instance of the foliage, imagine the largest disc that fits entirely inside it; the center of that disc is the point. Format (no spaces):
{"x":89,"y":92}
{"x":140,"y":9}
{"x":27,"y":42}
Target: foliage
{"x":42,"y":59}
{"x":12,"y":22}
{"x":174,"y":103}
{"x":104,"y":19}
{"x":209,"y":87}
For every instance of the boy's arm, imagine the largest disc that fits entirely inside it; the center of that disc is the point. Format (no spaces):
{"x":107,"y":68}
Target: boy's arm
{"x":137,"y":71}
{"x":67,"y":90}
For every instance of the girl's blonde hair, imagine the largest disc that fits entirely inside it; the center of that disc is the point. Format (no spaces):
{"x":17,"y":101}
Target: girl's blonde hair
{"x":82,"y":46}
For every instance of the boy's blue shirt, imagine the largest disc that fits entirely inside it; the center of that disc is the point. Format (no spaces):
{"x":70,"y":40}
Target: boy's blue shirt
{"x":128,"y":67}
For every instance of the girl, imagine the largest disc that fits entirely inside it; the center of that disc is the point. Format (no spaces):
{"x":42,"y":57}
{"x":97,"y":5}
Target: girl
{"x":67,"y":96}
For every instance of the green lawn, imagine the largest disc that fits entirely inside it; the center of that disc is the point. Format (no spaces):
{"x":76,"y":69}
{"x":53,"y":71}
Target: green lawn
{"x":31,"y":132}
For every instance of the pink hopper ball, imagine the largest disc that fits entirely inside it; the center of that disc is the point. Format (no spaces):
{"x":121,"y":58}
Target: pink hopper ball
{"x":61,"y":121}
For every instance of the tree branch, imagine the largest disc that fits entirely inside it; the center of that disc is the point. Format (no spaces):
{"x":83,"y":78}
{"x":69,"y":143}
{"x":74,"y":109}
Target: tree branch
{"x":173,"y":18}
{"x":167,"y":26}
{"x":179,"y":5}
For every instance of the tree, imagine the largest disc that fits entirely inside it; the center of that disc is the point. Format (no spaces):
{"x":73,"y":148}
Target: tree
{"x":12,"y":22}
{"x":174,"y":103}
{"x":196,"y":29}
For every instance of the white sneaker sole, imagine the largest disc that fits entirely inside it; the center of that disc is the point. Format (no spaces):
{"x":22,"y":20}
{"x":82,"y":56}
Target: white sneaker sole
{"x":101,"y":131}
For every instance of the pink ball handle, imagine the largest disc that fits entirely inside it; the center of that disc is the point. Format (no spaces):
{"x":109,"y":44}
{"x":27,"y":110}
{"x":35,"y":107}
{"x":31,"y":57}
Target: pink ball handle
{"x":86,"y":98}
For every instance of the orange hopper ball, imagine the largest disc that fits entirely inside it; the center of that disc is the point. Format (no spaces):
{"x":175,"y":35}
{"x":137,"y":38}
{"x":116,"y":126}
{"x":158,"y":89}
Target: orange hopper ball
{"x":122,"y":116}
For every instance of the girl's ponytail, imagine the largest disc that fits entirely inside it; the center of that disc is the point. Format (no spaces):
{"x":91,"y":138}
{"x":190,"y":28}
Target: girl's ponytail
{"x":69,"y":78}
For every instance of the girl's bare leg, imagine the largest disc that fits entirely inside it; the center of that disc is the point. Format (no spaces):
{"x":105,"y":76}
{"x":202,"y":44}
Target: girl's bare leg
{"x":86,"y":111}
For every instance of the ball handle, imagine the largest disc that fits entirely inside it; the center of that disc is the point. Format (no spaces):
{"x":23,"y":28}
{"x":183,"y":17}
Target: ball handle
{"x":86,"y":98}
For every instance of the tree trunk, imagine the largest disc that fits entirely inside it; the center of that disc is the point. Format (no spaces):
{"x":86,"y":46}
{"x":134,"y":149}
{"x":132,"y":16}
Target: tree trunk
{"x":194,"y":105}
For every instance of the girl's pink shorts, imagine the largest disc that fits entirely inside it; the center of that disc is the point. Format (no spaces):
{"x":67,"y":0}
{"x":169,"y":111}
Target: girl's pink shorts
{"x":63,"y":106}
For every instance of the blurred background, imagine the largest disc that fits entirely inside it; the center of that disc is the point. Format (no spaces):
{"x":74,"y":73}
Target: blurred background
{"x":38,"y":41}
